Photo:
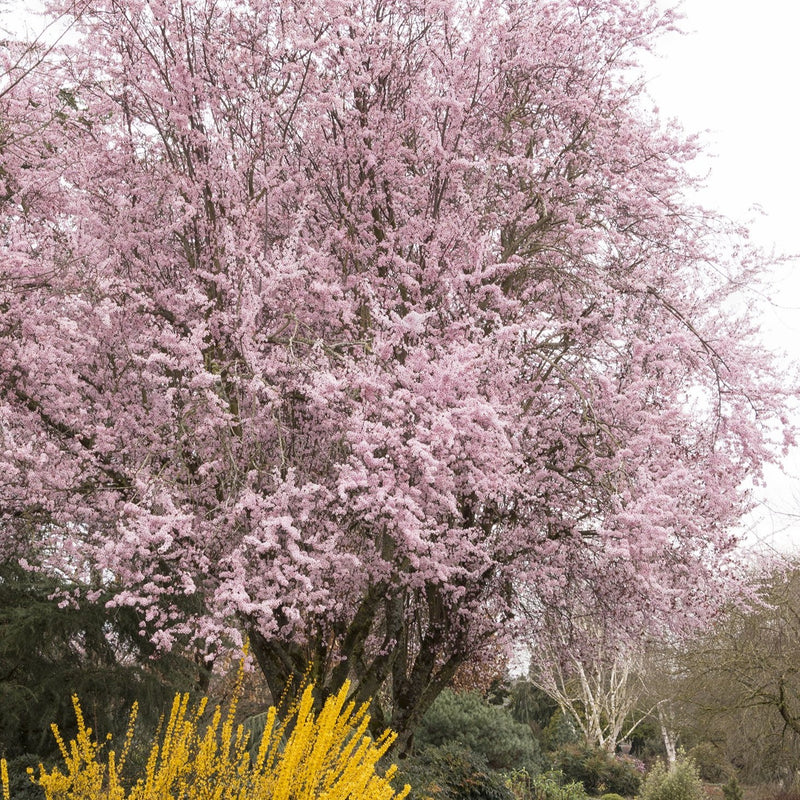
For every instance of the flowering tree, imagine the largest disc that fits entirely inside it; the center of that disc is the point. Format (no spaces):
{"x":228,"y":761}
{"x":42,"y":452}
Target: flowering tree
{"x":338,"y":323}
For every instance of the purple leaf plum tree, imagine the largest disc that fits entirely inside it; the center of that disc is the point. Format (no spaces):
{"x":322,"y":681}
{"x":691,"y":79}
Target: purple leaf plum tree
{"x":346,"y":325}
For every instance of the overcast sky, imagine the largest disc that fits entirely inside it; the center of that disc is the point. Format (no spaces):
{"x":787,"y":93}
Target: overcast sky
{"x":735,"y":74}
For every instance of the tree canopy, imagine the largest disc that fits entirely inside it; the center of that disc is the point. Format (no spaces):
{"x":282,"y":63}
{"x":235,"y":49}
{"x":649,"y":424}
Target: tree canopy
{"x":358,"y":326}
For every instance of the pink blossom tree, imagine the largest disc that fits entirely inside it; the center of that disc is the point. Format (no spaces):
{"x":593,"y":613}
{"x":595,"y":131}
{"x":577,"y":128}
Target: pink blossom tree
{"x":355,"y":326}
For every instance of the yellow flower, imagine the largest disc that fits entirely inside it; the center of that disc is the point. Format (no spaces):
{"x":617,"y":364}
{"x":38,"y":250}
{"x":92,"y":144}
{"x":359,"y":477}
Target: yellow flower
{"x":328,"y":756}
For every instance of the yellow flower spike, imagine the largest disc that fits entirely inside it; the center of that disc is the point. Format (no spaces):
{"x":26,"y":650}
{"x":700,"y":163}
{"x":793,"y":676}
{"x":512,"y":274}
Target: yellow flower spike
{"x":326,"y":725}
{"x":146,"y":787}
{"x":266,"y":739}
{"x":295,"y":748}
{"x":171,"y":723}
{"x":201,"y":709}
{"x":241,"y":748}
{"x":78,"y":713}
{"x":115,"y":790}
{"x":237,"y":692}
{"x":209,"y":741}
{"x":126,"y":745}
{"x":356,"y":735}
{"x":4,"y":779}
{"x":60,"y":741}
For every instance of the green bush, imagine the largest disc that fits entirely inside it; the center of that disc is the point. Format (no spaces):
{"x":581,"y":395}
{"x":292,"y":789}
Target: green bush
{"x":467,"y":719}
{"x":710,"y":762}
{"x":731,"y":790}
{"x":545,"y":786}
{"x":597,"y":770}
{"x":451,"y":772}
{"x":681,"y":782}
{"x":19,"y":782}
{"x":612,"y":796}
{"x":559,"y":731}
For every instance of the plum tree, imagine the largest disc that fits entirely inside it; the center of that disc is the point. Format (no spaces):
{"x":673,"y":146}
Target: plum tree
{"x":353,"y":325}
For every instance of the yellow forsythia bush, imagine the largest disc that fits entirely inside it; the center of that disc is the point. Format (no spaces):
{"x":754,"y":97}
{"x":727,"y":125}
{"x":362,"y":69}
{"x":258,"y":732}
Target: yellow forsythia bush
{"x":329,"y":756}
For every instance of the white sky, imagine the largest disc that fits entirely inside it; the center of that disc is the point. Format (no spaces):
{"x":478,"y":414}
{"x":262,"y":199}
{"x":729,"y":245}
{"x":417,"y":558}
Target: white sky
{"x":736,"y":75}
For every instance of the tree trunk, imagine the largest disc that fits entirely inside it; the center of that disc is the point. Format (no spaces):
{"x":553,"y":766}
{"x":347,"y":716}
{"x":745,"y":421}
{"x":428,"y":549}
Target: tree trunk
{"x":416,"y":670}
{"x":668,"y":734}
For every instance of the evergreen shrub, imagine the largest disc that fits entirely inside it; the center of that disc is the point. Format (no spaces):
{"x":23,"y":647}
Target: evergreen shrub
{"x":531,"y":706}
{"x":452,"y":772}
{"x":597,"y":770}
{"x":731,"y":790}
{"x":466,"y":719}
{"x":559,"y":731}
{"x":98,"y":652}
{"x":17,"y":781}
{"x":681,"y":782}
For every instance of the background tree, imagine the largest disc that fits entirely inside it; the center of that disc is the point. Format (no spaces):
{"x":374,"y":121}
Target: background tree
{"x":531,"y":706}
{"x":598,"y":681}
{"x":739,"y":683}
{"x":343,"y":324}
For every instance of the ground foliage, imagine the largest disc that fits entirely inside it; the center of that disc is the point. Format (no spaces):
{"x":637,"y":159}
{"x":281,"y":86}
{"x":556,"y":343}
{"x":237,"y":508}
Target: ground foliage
{"x":545,"y":786}
{"x":598,"y":771}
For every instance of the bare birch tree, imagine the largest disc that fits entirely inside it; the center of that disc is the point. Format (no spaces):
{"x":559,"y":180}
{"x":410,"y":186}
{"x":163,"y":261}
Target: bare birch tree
{"x":601,"y":684}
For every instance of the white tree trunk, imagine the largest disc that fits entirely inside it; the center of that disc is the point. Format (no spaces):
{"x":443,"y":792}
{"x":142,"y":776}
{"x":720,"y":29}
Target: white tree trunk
{"x":668,"y":733}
